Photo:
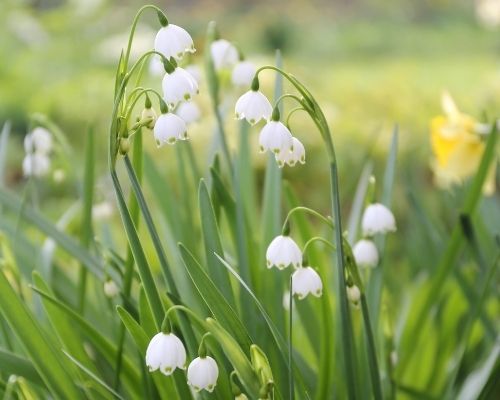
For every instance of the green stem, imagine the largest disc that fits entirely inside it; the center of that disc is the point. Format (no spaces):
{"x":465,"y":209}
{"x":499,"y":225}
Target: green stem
{"x":317,"y":239}
{"x":290,"y":342}
{"x":327,"y":221}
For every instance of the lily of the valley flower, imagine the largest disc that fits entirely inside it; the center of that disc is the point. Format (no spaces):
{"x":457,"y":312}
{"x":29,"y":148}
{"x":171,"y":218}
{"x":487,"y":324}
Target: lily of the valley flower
{"x":36,"y":164}
{"x":110,"y":289}
{"x":305,"y":280}
{"x":365,"y":253}
{"x":189,"y":112}
{"x":39,"y":140}
{"x":173,"y":41}
{"x":224,"y":54}
{"x":202,"y":373}
{"x":169,"y":128}
{"x":253,"y":106}
{"x":298,"y":154}
{"x":276,"y":138}
{"x":178,"y":86}
{"x":377,"y":218}
{"x":148,"y":116}
{"x":282,"y":252}
{"x":243,"y":73}
{"x":166,"y":353}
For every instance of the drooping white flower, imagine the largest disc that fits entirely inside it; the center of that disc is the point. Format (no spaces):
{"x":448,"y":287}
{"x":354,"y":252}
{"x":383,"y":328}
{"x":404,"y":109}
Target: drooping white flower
{"x":276,"y":138}
{"x":195,"y":71}
{"x":243,"y":73}
{"x":36,"y":164}
{"x":305,"y":280}
{"x":365,"y":253}
{"x":253,"y":106}
{"x":377,"y":218}
{"x":173,"y":41}
{"x":178,"y":86}
{"x":110,"y":289}
{"x":165,"y":352}
{"x":39,"y":140}
{"x":298,"y":154}
{"x":282,"y":252}
{"x":224,"y":54}
{"x":202,"y":373}
{"x":156,"y":67}
{"x":169,"y":128}
{"x":189,"y":112}
{"x":353,"y":294}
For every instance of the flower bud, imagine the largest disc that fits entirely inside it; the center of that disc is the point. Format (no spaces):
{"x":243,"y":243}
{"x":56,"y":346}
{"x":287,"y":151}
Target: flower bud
{"x":353,"y":294}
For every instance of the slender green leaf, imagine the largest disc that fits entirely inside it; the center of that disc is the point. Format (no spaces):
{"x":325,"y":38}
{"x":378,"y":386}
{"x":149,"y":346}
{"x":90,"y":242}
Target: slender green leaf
{"x":13,"y":364}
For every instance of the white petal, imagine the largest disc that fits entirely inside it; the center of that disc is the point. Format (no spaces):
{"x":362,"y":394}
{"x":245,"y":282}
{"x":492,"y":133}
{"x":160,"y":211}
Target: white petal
{"x":377,"y":218}
{"x":178,"y":86}
{"x":188,"y":111}
{"x":306,"y":280}
{"x":282,"y":252}
{"x":203,"y":373}
{"x":153,"y":354}
{"x":36,"y":164}
{"x":253,"y":106}
{"x":276,"y":138}
{"x":169,"y":128}
{"x":298,"y":154}
{"x":224,"y":54}
{"x":39,"y":140}
{"x":365,"y":253}
{"x":173,"y":41}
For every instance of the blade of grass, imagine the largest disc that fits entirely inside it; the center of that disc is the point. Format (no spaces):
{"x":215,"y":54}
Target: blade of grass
{"x":13,"y":364}
{"x":4,"y":141}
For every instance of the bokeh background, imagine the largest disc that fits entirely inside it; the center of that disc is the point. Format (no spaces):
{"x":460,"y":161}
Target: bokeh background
{"x":371,"y":63}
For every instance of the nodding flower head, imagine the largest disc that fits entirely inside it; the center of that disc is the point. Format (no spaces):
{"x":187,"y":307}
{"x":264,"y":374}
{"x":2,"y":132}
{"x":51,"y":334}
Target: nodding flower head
{"x":166,"y":353}
{"x":243,"y":73}
{"x":202,"y":373}
{"x":276,"y":138}
{"x":173,"y":41}
{"x":189,"y":112}
{"x":354,"y":295}
{"x":36,"y":164}
{"x":377,"y":218}
{"x":305,"y":280}
{"x":178,"y":86}
{"x":148,"y":116}
{"x":365,"y":253}
{"x":224,"y":54}
{"x":39,"y":140}
{"x":253,"y":106}
{"x":169,"y":128}
{"x":282,"y":252}
{"x":298,"y":154}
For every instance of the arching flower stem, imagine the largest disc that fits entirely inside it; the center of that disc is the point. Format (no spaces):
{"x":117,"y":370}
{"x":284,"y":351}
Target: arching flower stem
{"x":308,"y":210}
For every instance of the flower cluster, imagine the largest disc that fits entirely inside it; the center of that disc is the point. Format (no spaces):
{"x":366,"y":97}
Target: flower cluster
{"x":377,"y":219}
{"x":457,"y":142}
{"x":37,"y":145}
{"x":178,"y":84}
{"x":166,"y":353}
{"x":282,"y":252}
{"x":275,"y":136}
{"x":225,"y":56}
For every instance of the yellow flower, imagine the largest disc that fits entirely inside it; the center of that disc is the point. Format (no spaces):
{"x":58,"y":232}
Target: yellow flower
{"x":457,"y":147}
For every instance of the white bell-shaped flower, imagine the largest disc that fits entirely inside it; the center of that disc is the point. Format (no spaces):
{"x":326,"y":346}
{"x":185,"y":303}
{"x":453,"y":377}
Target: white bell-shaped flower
{"x":166,"y":353}
{"x":36,"y":164}
{"x":298,"y":154}
{"x":377,"y":218}
{"x":156,"y":67}
{"x":353,"y":294}
{"x":243,"y":73}
{"x":169,"y":128}
{"x":365,"y":253}
{"x":173,"y":41}
{"x":282,"y":252}
{"x":305,"y":280}
{"x":224,"y":54}
{"x":178,"y":86}
{"x":194,"y":71}
{"x":276,"y":138}
{"x":202,"y":373}
{"x":110,"y":289}
{"x":39,"y":140}
{"x":189,"y":112}
{"x":253,"y":106}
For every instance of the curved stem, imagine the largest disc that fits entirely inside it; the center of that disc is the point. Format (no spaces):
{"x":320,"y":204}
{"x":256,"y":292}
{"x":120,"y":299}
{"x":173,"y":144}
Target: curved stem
{"x":291,"y":96}
{"x":293,"y":111}
{"x":318,"y":239}
{"x":179,"y":307}
{"x":136,"y":99}
{"x":290,"y":341}
{"x":308,"y":210}
{"x":134,"y":26}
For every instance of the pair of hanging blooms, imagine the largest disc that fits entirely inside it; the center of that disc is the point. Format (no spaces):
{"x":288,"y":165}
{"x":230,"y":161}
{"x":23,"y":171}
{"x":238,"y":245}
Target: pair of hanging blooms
{"x":274,"y":136}
{"x":283,"y":252}
{"x":377,"y":219}
{"x":178,"y":85}
{"x":38,"y":146}
{"x":166,"y":353}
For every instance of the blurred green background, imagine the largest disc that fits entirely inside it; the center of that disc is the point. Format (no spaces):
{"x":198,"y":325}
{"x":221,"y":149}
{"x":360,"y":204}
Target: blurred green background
{"x":371,"y":63}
